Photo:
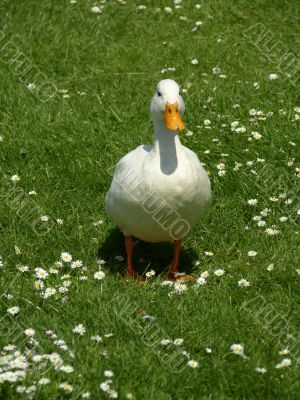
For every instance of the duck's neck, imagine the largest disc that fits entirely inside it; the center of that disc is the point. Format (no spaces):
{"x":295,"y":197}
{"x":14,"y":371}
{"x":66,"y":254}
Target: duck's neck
{"x":167,"y":147}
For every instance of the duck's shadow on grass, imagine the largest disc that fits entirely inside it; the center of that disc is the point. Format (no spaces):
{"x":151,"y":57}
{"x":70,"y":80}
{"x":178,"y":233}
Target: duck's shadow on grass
{"x":146,"y":256}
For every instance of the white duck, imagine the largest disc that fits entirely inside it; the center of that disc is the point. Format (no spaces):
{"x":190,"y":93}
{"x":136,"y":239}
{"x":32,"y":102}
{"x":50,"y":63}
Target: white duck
{"x":159,"y":192}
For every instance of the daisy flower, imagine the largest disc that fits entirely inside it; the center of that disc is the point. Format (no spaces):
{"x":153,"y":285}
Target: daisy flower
{"x":178,"y":342}
{"x":99,"y":275}
{"x":237,"y":349}
{"x":273,"y":77}
{"x":256,"y":135}
{"x":192,"y":364}
{"x":151,"y":273}
{"x":20,"y":389}
{"x":38,"y":285}
{"x":68,"y":369}
{"x":284,"y":352}
{"x":66,"y":387}
{"x":216,"y":71}
{"x":252,"y":202}
{"x":261,"y":223}
{"x":283,"y":219}
{"x":79,"y":329}
{"x":243,"y":283}
{"x":66,"y":257}
{"x":55,"y":358}
{"x":168,"y":10}
{"x":201,"y":281}
{"x":58,"y":264}
{"x":105,"y":386}
{"x":13,"y":310}
{"x":265,"y":212}
{"x":97,"y":10}
{"x":17,"y":250}
{"x":180,"y":287}
{"x":29,"y":332}
{"x":50,"y":291}
{"x":31,"y":389}
{"x":272,"y":232}
{"x":286,"y":362}
{"x":219,"y":272}
{"x":23,"y":268}
{"x":15,"y":178}
{"x":76,"y":264}
{"x":97,"y":338}
{"x":166,"y":283}
{"x":165,"y":342}
{"x":41,"y":273}
{"x":44,"y":381}
{"x":260,"y":370}
{"x":270,"y":267}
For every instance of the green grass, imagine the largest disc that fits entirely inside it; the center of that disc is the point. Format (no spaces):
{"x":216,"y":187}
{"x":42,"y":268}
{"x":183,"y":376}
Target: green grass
{"x":66,"y":148}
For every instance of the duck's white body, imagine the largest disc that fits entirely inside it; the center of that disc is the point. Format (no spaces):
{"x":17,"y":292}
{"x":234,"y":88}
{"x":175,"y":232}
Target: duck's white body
{"x":159,"y":192}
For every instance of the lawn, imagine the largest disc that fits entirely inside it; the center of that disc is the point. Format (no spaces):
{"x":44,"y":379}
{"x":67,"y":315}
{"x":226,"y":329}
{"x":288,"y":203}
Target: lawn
{"x":76,"y":84}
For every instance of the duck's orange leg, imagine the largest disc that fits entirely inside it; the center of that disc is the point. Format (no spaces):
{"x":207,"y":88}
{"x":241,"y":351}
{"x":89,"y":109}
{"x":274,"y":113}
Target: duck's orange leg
{"x":172,"y":275}
{"x":129,"y":251}
{"x":175,"y":262}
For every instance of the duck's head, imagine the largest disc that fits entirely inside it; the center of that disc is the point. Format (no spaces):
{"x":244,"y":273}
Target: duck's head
{"x":167,"y":106}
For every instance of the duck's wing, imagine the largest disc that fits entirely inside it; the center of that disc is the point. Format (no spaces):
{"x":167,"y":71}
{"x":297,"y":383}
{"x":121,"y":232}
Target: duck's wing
{"x":132,"y":161}
{"x":204,"y":181}
{"x":126,"y":176}
{"x":193,"y":157}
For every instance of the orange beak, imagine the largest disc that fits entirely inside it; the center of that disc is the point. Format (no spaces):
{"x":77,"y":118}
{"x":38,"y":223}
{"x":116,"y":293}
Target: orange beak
{"x":172,"y":117}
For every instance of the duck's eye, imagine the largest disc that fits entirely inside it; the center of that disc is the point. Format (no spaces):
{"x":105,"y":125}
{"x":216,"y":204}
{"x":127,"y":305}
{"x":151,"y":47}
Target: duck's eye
{"x":158,"y":94}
